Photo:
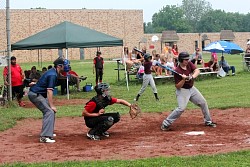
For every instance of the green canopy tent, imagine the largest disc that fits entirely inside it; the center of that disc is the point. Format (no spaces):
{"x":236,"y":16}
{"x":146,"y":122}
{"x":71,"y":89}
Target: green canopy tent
{"x":67,"y":35}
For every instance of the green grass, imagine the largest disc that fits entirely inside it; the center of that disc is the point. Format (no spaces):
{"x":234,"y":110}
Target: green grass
{"x":220,"y":93}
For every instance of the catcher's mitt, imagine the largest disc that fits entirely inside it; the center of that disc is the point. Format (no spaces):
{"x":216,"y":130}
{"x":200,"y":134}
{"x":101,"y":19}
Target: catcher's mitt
{"x":134,"y":110}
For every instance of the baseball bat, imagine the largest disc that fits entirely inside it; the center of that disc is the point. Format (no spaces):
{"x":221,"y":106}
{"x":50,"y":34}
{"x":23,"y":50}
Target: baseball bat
{"x":168,"y":68}
{"x":139,"y":51}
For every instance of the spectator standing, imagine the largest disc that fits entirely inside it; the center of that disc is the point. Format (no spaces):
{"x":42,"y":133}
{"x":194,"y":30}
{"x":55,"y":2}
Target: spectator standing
{"x":98,"y":64}
{"x":185,"y":91}
{"x":17,"y":77}
{"x":166,"y":48}
{"x":175,"y":53}
{"x":41,"y":95}
{"x":226,"y":67}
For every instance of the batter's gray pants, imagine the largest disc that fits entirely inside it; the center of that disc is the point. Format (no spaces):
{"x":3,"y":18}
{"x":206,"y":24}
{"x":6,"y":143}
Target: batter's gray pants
{"x":148,"y":79}
{"x":48,"y":114}
{"x":183,"y":96}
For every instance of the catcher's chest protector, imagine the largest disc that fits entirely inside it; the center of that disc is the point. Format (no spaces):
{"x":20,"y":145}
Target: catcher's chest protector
{"x":100,"y":104}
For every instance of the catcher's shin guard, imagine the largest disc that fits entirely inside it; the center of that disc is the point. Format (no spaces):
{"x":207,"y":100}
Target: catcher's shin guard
{"x":107,"y":124}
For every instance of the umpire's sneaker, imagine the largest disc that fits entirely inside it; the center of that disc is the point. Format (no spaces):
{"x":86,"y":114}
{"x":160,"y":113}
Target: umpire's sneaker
{"x":93,"y":137}
{"x":210,"y":123}
{"x":47,"y":139}
{"x":106,"y":134}
{"x":164,"y":127}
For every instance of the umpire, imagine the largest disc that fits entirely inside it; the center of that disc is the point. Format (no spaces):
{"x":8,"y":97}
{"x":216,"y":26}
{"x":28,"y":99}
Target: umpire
{"x":41,"y":95}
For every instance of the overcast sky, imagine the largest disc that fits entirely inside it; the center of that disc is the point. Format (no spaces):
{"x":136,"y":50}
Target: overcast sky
{"x":149,"y":7}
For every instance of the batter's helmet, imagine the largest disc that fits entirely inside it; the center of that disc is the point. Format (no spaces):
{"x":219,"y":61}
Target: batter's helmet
{"x":101,"y":87}
{"x":147,"y":56}
{"x":183,"y":56}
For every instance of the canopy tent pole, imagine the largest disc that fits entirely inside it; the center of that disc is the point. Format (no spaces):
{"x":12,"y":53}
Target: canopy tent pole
{"x":67,"y":76}
{"x":125,"y":67}
{"x":8,"y":49}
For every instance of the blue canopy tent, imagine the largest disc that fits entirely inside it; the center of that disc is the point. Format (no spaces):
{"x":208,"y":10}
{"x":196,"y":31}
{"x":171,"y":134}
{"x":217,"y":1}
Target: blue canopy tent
{"x":223,"y":47}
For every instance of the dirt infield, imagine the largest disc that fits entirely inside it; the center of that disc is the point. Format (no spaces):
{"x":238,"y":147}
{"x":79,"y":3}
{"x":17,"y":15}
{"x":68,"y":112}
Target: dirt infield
{"x":130,"y":139}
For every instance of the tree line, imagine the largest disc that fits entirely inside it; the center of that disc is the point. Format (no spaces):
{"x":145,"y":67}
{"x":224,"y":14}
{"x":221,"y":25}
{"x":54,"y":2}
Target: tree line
{"x":196,"y":16}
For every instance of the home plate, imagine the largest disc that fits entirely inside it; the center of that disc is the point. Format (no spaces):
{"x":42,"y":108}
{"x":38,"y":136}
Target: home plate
{"x":195,"y":133}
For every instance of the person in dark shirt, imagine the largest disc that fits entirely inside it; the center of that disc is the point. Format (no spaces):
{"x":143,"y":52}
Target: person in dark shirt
{"x":147,"y":78}
{"x":94,"y":112}
{"x":98,"y":64}
{"x":41,"y":95}
{"x":185,"y":91}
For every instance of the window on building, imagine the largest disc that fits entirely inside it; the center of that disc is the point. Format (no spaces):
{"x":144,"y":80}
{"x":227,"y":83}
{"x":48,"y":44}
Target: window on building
{"x":195,"y":44}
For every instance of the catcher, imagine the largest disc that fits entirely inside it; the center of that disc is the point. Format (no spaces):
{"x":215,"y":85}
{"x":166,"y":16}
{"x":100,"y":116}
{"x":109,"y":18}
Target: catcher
{"x":94,"y":112}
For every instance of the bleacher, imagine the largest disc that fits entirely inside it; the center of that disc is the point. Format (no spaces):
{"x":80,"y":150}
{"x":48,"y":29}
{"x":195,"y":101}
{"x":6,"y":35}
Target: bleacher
{"x":204,"y":72}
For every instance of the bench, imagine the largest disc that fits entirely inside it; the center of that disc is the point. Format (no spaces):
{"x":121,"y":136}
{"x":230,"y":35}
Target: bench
{"x":120,"y":67}
{"x":204,"y":69}
{"x":163,"y":77}
{"x":246,"y":61}
{"x":208,"y":74}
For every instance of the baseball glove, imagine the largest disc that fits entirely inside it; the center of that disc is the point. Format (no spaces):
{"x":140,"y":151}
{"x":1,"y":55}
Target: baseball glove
{"x":134,"y":110}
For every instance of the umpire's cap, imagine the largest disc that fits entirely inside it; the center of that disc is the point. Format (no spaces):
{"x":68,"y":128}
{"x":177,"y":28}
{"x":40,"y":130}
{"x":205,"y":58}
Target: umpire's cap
{"x":183,"y":56}
{"x":58,"y":61}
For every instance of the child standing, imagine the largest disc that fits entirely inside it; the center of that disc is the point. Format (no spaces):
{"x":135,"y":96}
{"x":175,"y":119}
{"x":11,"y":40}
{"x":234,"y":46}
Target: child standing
{"x":98,"y":67}
{"x":147,"y":77}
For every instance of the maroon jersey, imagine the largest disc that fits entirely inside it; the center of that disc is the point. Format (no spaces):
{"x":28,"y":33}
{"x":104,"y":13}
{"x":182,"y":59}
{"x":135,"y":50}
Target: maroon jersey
{"x":190,"y":69}
{"x":147,"y":67}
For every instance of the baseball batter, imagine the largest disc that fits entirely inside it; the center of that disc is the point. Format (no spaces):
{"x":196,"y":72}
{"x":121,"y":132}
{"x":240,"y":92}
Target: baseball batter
{"x":186,"y":91}
{"x":147,"y":77}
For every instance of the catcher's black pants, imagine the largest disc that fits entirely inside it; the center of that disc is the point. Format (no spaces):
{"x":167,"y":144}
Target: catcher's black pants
{"x":101,"y":123}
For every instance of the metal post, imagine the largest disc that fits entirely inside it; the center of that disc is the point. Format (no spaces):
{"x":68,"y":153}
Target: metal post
{"x":8,"y":48}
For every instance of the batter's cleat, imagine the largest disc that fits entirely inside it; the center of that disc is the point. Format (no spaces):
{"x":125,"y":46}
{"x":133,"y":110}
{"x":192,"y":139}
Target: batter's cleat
{"x":47,"y":140}
{"x":106,"y":134}
{"x":93,"y":137}
{"x":164,"y":127}
{"x":137,"y":98}
{"x":211,"y":124}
